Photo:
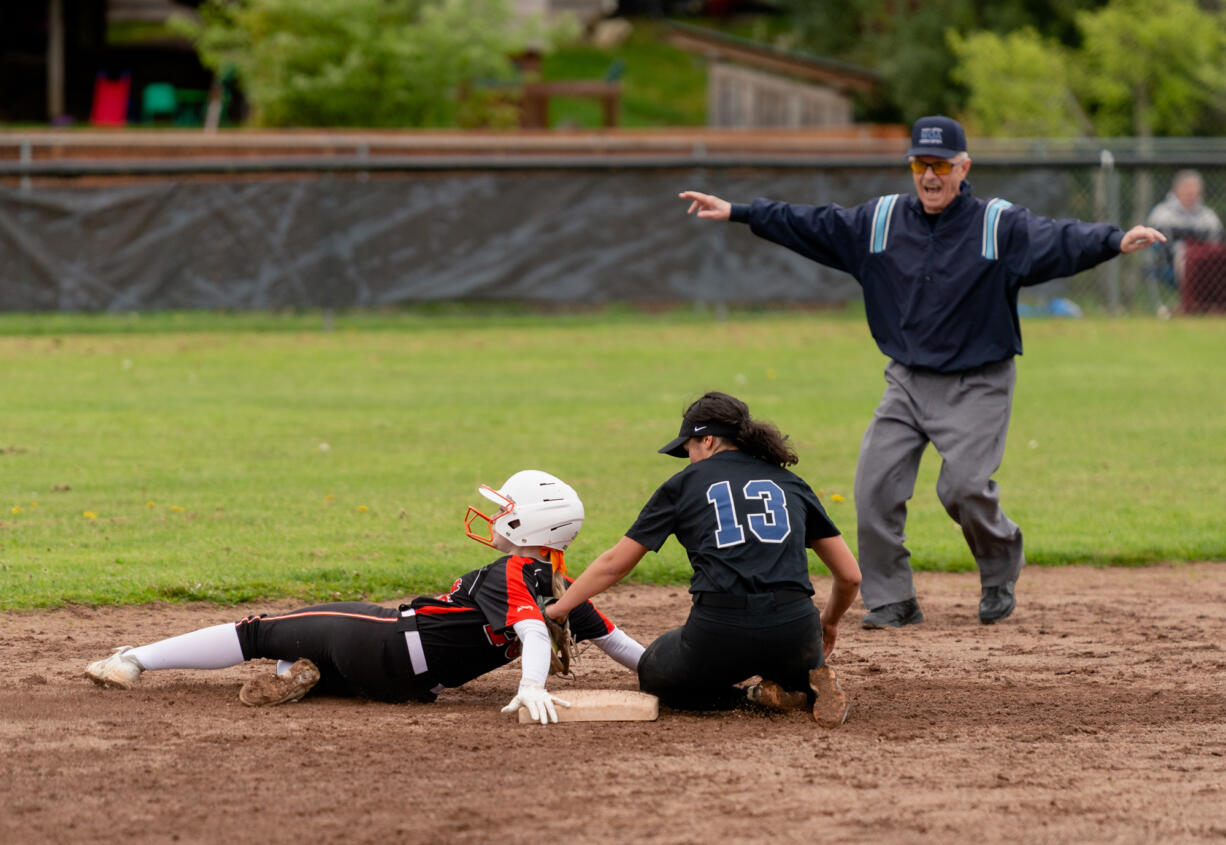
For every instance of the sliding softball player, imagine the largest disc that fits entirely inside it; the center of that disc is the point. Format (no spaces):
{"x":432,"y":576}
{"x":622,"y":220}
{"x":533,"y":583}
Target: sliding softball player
{"x":490,"y":617}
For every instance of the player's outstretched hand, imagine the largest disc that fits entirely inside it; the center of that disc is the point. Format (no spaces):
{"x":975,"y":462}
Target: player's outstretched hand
{"x":709,"y":207}
{"x":534,"y":696}
{"x":1139,"y":237}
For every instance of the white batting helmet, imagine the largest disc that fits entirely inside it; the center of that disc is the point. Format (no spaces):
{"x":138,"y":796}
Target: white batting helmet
{"x":536,"y":509}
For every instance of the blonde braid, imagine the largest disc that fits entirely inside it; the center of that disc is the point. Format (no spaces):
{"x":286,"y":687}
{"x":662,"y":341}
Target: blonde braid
{"x":559,"y":632}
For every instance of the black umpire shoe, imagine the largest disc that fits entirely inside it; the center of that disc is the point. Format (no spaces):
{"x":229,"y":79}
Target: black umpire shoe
{"x":996,"y":603}
{"x":894,"y":615}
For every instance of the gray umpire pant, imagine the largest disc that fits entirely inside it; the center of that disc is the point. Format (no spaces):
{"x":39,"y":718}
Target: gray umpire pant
{"x":965,"y":416}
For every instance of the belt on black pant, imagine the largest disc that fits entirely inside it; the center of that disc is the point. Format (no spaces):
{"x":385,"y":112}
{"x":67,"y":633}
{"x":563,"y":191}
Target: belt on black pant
{"x":732,"y":600}
{"x":417,"y":655}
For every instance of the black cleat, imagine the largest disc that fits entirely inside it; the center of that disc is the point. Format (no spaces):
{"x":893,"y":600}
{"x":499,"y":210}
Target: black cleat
{"x":894,"y":615}
{"x":997,"y":603}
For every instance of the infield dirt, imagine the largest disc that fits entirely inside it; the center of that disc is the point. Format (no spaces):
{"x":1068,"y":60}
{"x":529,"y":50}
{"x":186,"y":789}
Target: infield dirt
{"x":1096,"y":713}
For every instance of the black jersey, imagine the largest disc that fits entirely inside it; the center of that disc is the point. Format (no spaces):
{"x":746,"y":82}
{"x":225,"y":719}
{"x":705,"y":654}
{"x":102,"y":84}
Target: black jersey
{"x":745,"y":524}
{"x":468,"y":631}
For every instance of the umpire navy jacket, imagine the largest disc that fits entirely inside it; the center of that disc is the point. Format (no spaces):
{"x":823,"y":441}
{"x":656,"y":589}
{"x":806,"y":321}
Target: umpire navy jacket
{"x":940,"y":291}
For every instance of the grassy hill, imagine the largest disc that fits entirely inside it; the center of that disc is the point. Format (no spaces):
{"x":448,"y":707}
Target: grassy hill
{"x":661,"y":85}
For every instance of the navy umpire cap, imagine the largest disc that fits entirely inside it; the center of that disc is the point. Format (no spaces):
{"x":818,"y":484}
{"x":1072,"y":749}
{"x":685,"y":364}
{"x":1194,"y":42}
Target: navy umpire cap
{"x":693,"y":428}
{"x":937,"y":135}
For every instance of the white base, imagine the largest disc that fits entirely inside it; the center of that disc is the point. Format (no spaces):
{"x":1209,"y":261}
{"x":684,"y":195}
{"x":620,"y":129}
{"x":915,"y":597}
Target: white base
{"x":602,"y":705}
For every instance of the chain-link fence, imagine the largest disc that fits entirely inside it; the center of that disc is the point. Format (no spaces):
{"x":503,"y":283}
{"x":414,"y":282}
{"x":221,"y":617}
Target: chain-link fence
{"x":335,"y":229}
{"x":1187,"y":274}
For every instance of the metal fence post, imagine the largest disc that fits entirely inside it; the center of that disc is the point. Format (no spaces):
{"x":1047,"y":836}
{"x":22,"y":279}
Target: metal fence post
{"x":722,"y":263}
{"x":25,"y":215}
{"x":1111,"y":212}
{"x":27,"y":155}
{"x":715,"y":267}
{"x":329,"y":294}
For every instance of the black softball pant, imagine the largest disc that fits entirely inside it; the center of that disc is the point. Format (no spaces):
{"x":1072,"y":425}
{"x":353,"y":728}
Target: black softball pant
{"x":696,"y":666}
{"x":359,"y":648}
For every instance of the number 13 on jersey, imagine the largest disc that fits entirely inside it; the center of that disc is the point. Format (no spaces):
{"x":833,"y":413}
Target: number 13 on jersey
{"x":769,"y":527}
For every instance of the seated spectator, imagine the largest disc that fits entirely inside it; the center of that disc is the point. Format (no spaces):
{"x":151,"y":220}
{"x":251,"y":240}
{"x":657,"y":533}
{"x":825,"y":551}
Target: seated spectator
{"x":1181,"y":216}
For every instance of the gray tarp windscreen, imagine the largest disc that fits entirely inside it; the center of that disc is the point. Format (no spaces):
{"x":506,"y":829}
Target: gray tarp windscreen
{"x":344,"y":241}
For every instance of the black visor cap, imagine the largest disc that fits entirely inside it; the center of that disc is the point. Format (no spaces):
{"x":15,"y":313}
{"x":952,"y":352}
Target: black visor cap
{"x":676,"y":446}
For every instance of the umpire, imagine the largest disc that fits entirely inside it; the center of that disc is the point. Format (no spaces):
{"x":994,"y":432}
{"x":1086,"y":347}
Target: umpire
{"x":940,"y":272}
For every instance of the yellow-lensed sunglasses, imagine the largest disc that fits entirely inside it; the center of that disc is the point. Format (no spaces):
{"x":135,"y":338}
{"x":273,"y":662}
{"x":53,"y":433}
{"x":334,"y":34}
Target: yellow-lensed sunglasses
{"x":941,"y":168}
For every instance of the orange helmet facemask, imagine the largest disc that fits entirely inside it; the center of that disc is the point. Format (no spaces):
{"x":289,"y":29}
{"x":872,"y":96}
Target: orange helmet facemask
{"x":473,"y":515}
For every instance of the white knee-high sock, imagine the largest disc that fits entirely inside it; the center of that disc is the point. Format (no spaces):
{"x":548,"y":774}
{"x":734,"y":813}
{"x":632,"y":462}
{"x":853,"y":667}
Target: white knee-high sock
{"x":209,"y":648}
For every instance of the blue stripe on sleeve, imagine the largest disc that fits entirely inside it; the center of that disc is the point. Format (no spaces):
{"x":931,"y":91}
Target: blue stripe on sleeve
{"x":881,"y":223}
{"x":991,"y":222}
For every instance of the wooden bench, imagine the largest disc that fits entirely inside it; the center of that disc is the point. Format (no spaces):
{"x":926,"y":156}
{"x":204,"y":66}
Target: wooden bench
{"x":536,"y":96}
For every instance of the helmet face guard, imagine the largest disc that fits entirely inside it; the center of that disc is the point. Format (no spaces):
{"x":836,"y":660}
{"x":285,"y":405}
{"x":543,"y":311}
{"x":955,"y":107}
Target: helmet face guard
{"x":536,"y":510}
{"x":472,"y":515}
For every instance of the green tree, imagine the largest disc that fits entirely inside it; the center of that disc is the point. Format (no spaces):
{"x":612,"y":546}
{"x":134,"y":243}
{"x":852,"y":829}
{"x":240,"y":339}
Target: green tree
{"x":906,"y":41}
{"x":1141,"y":69}
{"x":1019,"y":84}
{"x":378,"y":63}
{"x":1154,"y":67}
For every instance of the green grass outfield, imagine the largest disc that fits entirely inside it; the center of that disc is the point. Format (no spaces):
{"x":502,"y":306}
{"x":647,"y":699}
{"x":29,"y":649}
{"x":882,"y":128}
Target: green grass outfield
{"x":236,"y":457}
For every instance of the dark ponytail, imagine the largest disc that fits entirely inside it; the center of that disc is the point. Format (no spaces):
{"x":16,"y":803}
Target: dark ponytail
{"x":762,"y":440}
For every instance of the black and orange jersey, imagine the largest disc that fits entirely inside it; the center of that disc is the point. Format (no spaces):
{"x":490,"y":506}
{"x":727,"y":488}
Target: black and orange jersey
{"x":468,"y":631}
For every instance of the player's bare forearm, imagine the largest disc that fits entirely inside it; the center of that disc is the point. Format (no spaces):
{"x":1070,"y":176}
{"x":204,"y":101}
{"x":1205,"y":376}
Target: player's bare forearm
{"x":842,"y":564}
{"x":602,"y":573}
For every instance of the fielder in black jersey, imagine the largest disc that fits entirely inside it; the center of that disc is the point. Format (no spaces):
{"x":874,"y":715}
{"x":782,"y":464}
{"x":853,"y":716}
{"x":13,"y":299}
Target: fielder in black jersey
{"x":747,"y":524}
{"x":490,"y":617}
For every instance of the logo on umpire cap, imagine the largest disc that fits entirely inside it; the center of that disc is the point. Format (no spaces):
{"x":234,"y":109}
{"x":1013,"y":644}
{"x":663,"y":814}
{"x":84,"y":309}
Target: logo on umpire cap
{"x":937,"y":135}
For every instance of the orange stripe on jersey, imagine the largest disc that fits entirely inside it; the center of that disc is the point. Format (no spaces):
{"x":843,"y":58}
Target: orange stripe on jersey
{"x":432,"y":609}
{"x":304,"y":614}
{"x":520,"y":603}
